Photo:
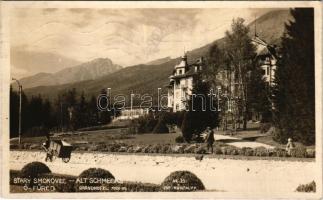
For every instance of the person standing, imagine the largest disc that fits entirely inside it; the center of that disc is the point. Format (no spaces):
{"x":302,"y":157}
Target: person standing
{"x":209,"y":138}
{"x":290,"y":146}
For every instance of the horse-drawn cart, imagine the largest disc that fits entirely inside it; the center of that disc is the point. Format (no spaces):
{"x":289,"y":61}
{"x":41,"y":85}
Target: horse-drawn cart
{"x":60,"y":149}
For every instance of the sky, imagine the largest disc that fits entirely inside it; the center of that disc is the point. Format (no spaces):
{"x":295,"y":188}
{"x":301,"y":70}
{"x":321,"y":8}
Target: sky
{"x":49,"y":39}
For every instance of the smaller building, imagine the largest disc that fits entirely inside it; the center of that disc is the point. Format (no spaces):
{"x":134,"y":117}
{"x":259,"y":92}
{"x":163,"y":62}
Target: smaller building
{"x":132,"y":113}
{"x":181,"y":83}
{"x":267,"y":57}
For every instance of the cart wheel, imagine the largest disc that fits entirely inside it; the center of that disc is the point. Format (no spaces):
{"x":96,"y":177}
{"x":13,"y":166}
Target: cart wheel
{"x":66,"y":160}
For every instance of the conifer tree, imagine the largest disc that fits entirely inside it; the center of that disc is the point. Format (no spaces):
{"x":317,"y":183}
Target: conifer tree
{"x":294,"y":93}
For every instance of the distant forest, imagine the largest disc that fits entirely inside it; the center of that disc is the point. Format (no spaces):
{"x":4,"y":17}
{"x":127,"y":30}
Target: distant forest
{"x":69,"y":111}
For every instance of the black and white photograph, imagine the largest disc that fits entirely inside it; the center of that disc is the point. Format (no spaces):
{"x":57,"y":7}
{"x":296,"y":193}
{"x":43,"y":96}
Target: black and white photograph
{"x":161,"y":100}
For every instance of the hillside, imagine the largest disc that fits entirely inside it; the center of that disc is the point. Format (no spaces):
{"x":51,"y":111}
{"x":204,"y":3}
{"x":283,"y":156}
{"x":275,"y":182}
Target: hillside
{"x":148,"y":78}
{"x":271,"y":26}
{"x":85,"y":71}
{"x":159,"y":61}
{"x":139,"y":79}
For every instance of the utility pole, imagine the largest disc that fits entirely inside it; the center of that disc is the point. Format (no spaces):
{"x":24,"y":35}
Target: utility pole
{"x":20,"y":91}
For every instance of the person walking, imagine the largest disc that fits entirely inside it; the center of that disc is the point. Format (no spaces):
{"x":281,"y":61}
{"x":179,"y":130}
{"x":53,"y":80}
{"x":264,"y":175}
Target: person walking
{"x":209,"y":138}
{"x":49,"y":154}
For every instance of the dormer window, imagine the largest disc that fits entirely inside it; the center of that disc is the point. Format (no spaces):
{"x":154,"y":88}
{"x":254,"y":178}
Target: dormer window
{"x":179,"y":71}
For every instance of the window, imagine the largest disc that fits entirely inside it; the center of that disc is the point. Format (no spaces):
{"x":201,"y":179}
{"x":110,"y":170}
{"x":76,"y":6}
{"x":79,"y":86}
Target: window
{"x":180,"y":71}
{"x":263,"y":72}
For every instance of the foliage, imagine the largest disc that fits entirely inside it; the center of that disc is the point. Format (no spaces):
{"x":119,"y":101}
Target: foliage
{"x":188,"y":126}
{"x":200,"y":150}
{"x":264,"y":127}
{"x":261,"y":151}
{"x":161,"y":126}
{"x":299,"y":152}
{"x":240,"y":52}
{"x":179,"y":139}
{"x":146,"y":123}
{"x":182,"y":181}
{"x":310,"y":187}
{"x":217,"y":61}
{"x":310,"y":153}
{"x":69,"y":111}
{"x":37,"y":131}
{"x":294,"y":91}
{"x":258,"y":94}
{"x":33,"y":170}
{"x":93,"y":173}
{"x":280,"y":152}
{"x":96,"y":173}
{"x":200,"y":114}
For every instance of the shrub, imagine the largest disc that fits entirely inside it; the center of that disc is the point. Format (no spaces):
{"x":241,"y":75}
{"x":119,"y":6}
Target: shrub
{"x":261,"y":151}
{"x":310,"y":187}
{"x":179,"y":139}
{"x":14,"y":146}
{"x":190,"y":149}
{"x":114,"y":147}
{"x":96,"y":173}
{"x":155,"y":148}
{"x":298,"y":152}
{"x":218,"y":150}
{"x":136,"y":149}
{"x":130,"y":150}
{"x":187,"y":126}
{"x":34,"y":169}
{"x":123,"y":149}
{"x":264,"y":127}
{"x":145,"y":149}
{"x":161,"y":126}
{"x":93,"y":148}
{"x":178,"y":149}
{"x":310,"y":153}
{"x":182,"y":181}
{"x":242,"y":151}
{"x":280,"y":152}
{"x":248,"y":152}
{"x":200,"y":150}
{"x":229,"y":150}
{"x":147,"y":123}
{"x":92,"y":173}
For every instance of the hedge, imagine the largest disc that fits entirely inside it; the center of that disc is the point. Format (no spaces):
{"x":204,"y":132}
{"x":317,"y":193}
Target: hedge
{"x":182,"y":181}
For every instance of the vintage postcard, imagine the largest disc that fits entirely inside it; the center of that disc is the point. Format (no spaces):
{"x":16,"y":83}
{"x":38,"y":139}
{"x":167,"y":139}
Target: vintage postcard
{"x":181,"y":100}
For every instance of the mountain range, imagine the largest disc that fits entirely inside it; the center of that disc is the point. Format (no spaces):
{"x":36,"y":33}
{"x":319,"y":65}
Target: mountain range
{"x":147,"y":78}
{"x":85,"y":71}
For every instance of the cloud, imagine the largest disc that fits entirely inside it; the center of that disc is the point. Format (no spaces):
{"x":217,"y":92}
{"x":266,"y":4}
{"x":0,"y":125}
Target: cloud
{"x":127,"y":36}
